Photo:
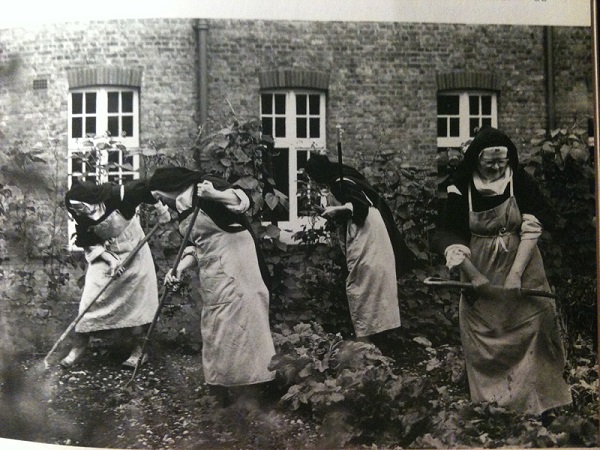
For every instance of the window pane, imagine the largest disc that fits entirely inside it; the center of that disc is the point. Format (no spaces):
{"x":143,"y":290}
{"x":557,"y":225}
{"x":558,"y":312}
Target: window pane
{"x":127,"y":126}
{"x":91,"y":178}
{"x":77,"y":103}
{"x":113,"y":156}
{"x":113,"y":126}
{"x":314,"y":104}
{"x":76,"y":163}
{"x":303,"y":183}
{"x":89,"y":165}
{"x":448,"y":104}
{"x":279,"y":127}
{"x":454,"y":127}
{"x":113,"y":102}
{"x":90,"y":126}
{"x":486,"y":122}
{"x":278,"y":166}
{"x":267,"y":126}
{"x":301,"y":158}
{"x":128,"y":160}
{"x":279,"y":104}
{"x":266,"y":102}
{"x":90,"y":102}
{"x":125,"y":178}
{"x":442,"y":127}
{"x":314,"y":128}
{"x":473,"y":126}
{"x":114,"y":178}
{"x":77,"y":177}
{"x":76,"y":127}
{"x":126,"y":102}
{"x":281,"y":163}
{"x":301,"y":127}
{"x":473,"y":105}
{"x":301,"y":105}
{"x":486,"y":105}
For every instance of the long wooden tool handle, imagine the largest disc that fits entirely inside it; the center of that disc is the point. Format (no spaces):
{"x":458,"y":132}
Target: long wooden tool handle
{"x":124,"y":264}
{"x":442,"y":282}
{"x":165,"y":294}
{"x":339,"y":155}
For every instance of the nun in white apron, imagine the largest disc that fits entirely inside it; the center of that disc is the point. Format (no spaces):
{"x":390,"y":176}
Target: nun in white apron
{"x":236,"y":339}
{"x":108,"y":229}
{"x":376,"y":253}
{"x":513,"y":350}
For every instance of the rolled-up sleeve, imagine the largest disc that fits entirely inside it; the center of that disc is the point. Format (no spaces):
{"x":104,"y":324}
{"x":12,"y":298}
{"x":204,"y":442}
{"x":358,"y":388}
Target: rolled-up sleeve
{"x":244,"y":204}
{"x":531,"y":227}
{"x":455,"y":254}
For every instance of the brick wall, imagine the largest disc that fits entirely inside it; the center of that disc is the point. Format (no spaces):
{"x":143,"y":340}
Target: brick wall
{"x":382,"y":75}
{"x":163,"y":49}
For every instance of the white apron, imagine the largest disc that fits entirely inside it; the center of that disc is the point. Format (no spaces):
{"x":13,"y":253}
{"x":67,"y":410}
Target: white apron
{"x":371,"y":285}
{"x":132,"y":299}
{"x":237,"y":346}
{"x":513,"y":351}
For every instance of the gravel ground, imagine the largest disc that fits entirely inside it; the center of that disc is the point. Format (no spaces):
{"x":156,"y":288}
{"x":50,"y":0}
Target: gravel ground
{"x":167,"y":407}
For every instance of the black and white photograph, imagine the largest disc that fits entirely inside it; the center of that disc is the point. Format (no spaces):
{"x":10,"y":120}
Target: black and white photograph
{"x":299,"y":225}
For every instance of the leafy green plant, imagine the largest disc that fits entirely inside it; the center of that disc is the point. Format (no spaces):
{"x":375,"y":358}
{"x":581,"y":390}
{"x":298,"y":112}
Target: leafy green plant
{"x":240,"y":153}
{"x":36,"y":270}
{"x":337,"y":382}
{"x":564,"y":166}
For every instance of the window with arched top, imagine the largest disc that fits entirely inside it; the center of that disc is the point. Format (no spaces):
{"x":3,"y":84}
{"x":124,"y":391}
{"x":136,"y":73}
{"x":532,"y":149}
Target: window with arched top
{"x":466,"y":101}
{"x":103,"y":126}
{"x":103,"y":105}
{"x":293,"y":106}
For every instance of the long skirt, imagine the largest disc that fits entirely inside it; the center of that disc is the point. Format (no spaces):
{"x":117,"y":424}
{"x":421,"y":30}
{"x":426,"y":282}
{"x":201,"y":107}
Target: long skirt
{"x":237,"y":346}
{"x":371,"y":285}
{"x":130,"y":300}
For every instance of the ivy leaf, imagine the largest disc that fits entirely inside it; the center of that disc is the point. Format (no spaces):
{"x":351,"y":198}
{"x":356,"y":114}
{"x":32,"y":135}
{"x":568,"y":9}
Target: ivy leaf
{"x":273,"y":231}
{"x":222,"y":143}
{"x":271,"y":200}
{"x":247,"y":183}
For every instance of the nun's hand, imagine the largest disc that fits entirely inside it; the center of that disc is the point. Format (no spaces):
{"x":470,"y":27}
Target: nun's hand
{"x":114,"y":270}
{"x":162,"y":213}
{"x":337,"y":212}
{"x":172,"y":280}
{"x":207,"y":190}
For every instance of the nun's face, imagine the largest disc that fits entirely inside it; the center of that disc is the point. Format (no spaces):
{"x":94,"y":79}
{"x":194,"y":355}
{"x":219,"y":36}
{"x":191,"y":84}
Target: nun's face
{"x":492,"y":164}
{"x":166,"y":198}
{"x":81,"y":208}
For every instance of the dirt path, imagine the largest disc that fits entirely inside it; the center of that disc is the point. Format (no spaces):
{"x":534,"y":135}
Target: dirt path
{"x":168,"y":408}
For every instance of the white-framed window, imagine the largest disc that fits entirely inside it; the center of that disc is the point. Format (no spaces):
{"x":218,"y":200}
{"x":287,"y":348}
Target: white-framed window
{"x":296,"y":120}
{"x":110,"y":113}
{"x":461,"y":113}
{"x":103,"y":130}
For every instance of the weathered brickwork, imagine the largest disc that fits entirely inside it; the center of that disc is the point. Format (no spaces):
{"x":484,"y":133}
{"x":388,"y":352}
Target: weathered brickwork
{"x":382,"y":83}
{"x":382,"y":75}
{"x":163,"y":49}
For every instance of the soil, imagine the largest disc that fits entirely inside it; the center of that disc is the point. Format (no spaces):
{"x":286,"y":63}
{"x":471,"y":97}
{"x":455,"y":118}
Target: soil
{"x":167,"y":406}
